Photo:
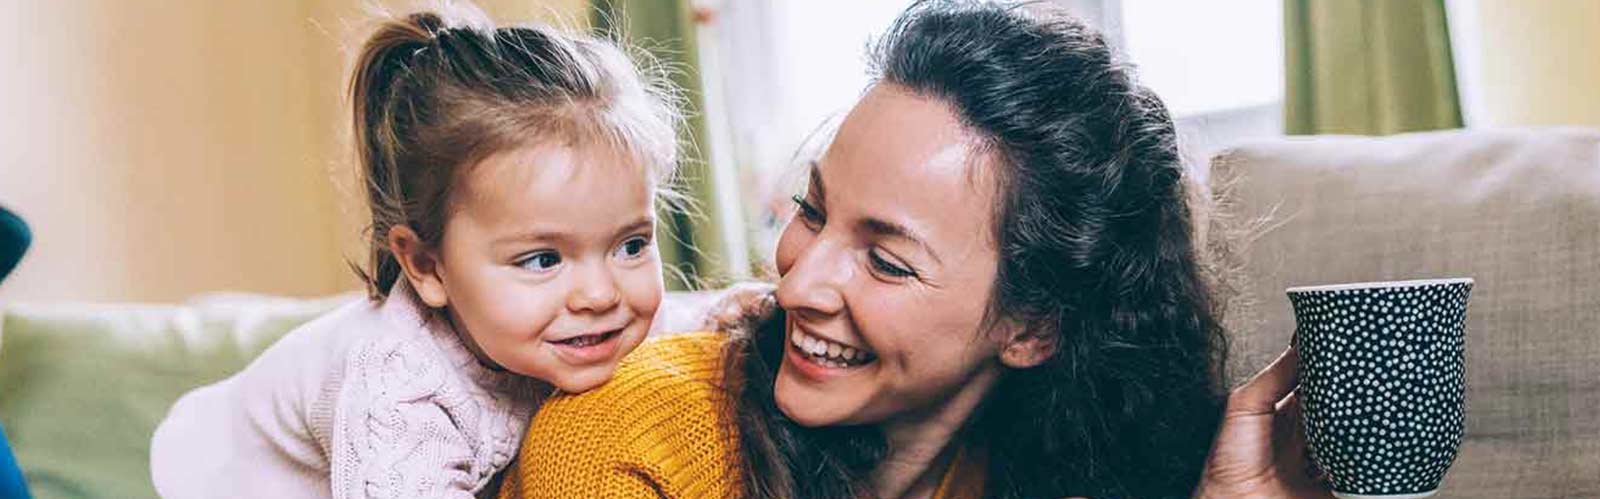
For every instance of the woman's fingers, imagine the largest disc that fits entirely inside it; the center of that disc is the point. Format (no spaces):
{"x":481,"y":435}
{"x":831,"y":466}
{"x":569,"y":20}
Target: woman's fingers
{"x":1291,"y":438}
{"x":1288,"y":419}
{"x":1292,"y":446}
{"x":1287,"y":435}
{"x":1267,"y":388}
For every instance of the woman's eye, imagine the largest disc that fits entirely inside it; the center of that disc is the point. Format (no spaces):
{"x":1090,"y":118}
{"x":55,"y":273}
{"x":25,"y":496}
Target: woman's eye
{"x":889,"y":268}
{"x":809,"y":214}
{"x":633,"y":248}
{"x":543,"y":261}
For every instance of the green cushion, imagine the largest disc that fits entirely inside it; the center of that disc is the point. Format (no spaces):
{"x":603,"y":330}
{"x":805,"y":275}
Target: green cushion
{"x":82,"y":387}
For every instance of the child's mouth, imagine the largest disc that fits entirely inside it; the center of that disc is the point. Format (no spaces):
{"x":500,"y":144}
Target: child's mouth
{"x":589,"y":340}
{"x":588,"y":348}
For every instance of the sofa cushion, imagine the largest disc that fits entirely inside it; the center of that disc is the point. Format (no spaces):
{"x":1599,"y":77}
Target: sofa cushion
{"x":83,"y":386}
{"x":1519,"y":210}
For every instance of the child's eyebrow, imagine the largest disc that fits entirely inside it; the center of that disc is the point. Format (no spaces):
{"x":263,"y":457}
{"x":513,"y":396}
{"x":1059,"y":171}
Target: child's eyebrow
{"x":641,"y":223}
{"x":529,"y":236}
{"x":540,"y":234}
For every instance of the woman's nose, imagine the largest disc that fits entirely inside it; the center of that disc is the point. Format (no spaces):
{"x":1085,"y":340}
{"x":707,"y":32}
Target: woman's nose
{"x":816,"y":280}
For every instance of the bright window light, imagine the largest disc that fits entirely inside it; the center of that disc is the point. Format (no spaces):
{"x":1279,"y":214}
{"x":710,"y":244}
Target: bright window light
{"x":821,"y":45}
{"x":1208,"y":56}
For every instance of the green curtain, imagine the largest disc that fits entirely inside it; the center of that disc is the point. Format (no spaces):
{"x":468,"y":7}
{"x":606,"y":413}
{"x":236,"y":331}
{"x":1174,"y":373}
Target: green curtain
{"x":691,"y":247}
{"x":1368,"y":67}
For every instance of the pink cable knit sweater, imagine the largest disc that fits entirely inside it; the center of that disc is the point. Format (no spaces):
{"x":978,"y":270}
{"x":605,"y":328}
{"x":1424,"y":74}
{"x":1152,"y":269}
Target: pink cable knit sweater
{"x":369,"y":401}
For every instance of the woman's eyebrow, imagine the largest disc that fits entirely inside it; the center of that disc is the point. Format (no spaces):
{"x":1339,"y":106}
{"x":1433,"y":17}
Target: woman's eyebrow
{"x":885,"y":228}
{"x":816,"y":180}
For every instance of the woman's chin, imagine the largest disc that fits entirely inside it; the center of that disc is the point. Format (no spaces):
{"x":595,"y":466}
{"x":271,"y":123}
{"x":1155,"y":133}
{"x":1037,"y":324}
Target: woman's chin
{"x":807,"y":415}
{"x":808,"y":404}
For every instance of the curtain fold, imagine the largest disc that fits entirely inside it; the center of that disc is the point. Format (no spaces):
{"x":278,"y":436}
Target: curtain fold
{"x":693,"y":250}
{"x":1368,"y":67}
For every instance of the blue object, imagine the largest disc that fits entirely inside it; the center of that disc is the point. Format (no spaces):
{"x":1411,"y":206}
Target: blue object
{"x":14,"y":239}
{"x":11,"y":484}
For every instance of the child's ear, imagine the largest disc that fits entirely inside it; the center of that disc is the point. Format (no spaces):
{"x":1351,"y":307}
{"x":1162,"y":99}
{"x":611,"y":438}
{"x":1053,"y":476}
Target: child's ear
{"x":1028,"y":346}
{"x":420,"y":265}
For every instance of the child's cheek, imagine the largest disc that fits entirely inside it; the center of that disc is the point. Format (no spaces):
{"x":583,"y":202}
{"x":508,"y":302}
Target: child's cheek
{"x":644,"y":288}
{"x":520,"y":318}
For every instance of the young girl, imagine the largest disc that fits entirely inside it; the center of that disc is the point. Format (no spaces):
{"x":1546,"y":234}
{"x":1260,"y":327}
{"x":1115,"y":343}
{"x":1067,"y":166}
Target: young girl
{"x":511,"y":175}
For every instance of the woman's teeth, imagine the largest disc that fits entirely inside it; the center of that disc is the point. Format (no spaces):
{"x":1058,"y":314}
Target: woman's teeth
{"x":828,"y":353}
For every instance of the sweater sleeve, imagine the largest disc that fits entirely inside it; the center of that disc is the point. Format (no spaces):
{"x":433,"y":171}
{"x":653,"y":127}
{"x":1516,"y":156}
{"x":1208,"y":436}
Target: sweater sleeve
{"x":249,"y":428}
{"x":395,"y":434}
{"x":656,"y":430}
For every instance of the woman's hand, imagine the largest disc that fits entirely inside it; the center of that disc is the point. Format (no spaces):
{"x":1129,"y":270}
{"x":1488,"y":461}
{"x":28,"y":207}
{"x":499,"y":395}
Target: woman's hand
{"x":1260,"y":450}
{"x":738,"y":304}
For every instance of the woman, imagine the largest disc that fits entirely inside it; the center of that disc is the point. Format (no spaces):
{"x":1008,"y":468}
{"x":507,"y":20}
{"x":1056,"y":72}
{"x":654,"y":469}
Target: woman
{"x":990,"y":289}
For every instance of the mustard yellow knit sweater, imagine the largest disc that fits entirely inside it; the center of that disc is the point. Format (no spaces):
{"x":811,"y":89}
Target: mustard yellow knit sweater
{"x":655,"y":430}
{"x":659,"y":429}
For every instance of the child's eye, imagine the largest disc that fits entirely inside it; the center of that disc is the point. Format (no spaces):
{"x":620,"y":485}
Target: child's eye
{"x":808,"y":213}
{"x":633,"y":248}
{"x":543,"y":261}
{"x":888,"y":268}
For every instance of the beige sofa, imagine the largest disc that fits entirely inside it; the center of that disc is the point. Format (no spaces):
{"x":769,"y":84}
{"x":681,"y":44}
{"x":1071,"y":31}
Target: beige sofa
{"x":1517,"y":210}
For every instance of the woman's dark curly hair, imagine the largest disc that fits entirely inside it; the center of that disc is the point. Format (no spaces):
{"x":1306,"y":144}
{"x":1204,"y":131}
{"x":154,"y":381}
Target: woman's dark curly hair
{"x":1097,"y":246}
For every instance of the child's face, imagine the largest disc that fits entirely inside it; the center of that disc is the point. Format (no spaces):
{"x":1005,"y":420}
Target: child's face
{"x":549,"y":261}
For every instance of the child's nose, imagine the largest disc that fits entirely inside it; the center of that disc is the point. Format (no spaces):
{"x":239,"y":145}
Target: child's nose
{"x":593,"y":291}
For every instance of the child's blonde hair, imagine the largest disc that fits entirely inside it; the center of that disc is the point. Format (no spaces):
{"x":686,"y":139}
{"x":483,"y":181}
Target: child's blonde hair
{"x":436,"y":92}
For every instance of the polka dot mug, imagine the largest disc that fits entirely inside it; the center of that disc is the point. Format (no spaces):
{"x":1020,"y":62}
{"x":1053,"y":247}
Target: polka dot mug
{"x":1382,"y":382}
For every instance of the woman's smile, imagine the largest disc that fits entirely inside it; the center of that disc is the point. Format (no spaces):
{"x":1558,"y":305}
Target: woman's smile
{"x":818,"y":358}
{"x":828,"y":352}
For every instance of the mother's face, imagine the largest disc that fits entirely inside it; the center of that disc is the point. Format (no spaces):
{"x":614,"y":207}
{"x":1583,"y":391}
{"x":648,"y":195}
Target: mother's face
{"x":887,"y":268}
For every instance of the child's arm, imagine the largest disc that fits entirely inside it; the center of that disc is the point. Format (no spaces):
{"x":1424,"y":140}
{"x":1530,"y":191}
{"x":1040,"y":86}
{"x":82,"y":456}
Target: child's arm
{"x":402,"y":429}
{"x":739,"y":305}
{"x":404,"y":451}
{"x":251,"y":430}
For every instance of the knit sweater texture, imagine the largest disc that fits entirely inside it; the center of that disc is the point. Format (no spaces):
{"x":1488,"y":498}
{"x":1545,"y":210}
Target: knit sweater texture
{"x":373,"y":400}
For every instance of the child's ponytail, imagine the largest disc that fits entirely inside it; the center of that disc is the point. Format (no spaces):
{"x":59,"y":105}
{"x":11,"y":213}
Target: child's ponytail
{"x":385,"y":60}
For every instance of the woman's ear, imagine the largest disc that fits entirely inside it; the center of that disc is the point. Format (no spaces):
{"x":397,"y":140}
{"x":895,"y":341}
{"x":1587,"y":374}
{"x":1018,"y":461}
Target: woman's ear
{"x":420,"y":263}
{"x":1028,"y":346}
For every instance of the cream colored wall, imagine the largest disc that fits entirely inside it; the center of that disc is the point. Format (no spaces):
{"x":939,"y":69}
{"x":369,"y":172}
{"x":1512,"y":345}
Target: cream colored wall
{"x":1539,"y":62}
{"x":164,"y":149}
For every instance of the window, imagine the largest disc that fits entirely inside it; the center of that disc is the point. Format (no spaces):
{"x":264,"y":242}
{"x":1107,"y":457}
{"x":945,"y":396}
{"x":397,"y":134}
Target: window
{"x":1218,"y":66}
{"x":1204,"y":57}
